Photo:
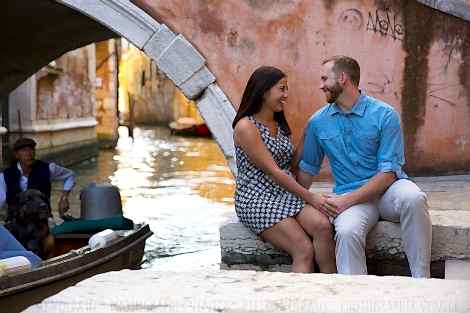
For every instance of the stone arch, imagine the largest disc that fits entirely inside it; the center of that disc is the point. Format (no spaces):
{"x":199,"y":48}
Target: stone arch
{"x":175,"y":56}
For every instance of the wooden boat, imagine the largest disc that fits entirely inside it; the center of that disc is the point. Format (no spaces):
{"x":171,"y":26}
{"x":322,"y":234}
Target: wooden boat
{"x":187,"y":126}
{"x":79,"y":262}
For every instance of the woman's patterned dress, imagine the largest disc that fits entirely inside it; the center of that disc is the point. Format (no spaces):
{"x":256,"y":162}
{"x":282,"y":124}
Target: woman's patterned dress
{"x":260,"y":203}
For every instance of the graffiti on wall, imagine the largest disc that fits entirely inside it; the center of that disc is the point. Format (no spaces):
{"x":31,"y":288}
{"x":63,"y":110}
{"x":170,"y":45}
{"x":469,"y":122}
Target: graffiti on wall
{"x":351,"y":19}
{"x":384,"y":22}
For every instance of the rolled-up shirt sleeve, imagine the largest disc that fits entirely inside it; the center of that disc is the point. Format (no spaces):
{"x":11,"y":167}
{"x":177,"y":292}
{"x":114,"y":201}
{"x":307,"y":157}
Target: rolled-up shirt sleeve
{"x":59,"y":173}
{"x":313,"y":154}
{"x":390,"y":155}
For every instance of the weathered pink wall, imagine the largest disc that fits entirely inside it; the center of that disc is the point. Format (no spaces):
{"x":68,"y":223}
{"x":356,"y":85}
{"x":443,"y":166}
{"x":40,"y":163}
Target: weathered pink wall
{"x":413,"y":57}
{"x":70,"y":93}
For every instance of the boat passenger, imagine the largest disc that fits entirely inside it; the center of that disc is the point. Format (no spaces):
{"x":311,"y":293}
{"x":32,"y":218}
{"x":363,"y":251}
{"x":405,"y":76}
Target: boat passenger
{"x":25,"y":174}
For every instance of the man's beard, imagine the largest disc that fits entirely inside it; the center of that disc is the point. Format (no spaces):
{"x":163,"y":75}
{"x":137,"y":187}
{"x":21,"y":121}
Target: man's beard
{"x":334,"y":93}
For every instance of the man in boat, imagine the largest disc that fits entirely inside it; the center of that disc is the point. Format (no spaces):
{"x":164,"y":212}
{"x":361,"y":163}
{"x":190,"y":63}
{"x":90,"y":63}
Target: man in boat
{"x":28,"y":173}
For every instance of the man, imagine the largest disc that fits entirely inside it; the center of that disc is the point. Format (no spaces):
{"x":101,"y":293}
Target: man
{"x":363,"y":141}
{"x":29,"y":173}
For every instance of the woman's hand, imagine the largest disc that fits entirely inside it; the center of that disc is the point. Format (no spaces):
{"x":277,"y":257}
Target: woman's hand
{"x":320,"y":202}
{"x":340,"y":203}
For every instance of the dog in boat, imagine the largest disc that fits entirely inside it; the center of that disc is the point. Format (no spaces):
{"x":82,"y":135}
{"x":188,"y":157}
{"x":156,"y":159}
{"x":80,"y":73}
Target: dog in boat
{"x":28,"y":222}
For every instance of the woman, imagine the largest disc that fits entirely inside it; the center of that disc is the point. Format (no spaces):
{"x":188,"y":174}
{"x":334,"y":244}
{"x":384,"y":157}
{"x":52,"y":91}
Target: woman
{"x":268,"y":200}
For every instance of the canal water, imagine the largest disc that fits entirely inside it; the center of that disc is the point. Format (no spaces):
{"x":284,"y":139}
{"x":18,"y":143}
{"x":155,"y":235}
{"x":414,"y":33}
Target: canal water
{"x":181,"y":186}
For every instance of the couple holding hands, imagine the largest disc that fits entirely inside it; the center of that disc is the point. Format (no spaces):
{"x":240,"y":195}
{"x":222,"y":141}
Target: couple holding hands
{"x":362,"y":138}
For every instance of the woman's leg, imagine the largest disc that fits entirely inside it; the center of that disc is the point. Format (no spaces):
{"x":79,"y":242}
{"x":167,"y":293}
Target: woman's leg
{"x":289,"y":236}
{"x":318,"y":226}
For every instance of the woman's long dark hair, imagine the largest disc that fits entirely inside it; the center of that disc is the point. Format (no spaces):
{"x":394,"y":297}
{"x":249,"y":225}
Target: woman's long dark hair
{"x":261,"y":81}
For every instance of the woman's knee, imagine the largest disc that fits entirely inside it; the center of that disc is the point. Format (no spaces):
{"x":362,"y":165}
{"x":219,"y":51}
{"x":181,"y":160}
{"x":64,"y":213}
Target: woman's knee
{"x":303,"y":250}
{"x":323,"y":226}
{"x":318,"y":221}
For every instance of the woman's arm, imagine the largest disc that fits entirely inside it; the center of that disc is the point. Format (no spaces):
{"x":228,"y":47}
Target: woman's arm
{"x":298,"y":155}
{"x":247,"y":136}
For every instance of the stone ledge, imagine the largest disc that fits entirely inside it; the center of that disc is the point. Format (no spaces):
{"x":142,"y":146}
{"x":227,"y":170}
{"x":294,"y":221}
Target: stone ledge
{"x":249,"y":292}
{"x":72,"y":153}
{"x":51,"y":125}
{"x":451,"y":241}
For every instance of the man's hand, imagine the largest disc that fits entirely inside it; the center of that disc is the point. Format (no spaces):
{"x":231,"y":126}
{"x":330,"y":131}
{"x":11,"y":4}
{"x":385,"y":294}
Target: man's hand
{"x":319,"y":202}
{"x":339,"y":203}
{"x":64,"y":205}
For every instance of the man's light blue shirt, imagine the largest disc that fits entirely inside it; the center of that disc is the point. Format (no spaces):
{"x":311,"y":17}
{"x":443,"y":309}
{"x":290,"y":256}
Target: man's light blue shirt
{"x":358,"y":144}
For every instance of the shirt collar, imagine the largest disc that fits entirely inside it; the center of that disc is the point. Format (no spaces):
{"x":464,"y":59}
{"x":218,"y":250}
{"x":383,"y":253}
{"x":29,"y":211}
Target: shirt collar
{"x":358,"y":108}
{"x":333,"y":109}
{"x":19,"y":167}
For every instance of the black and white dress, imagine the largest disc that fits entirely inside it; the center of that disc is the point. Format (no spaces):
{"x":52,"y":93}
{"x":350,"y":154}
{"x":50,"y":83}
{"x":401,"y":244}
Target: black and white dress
{"x":260,"y":203}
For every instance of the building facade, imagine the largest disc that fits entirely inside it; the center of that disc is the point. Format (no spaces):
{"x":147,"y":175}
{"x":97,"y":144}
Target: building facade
{"x":56,"y":106}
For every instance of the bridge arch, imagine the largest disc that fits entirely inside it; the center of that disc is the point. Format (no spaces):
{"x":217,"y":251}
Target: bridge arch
{"x":175,"y":56}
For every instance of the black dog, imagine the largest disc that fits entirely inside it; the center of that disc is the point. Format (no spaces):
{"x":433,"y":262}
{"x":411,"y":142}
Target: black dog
{"x":28,"y":222}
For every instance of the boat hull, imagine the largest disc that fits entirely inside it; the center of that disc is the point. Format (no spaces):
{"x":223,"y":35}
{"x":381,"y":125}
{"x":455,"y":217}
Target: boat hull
{"x":23,"y":290}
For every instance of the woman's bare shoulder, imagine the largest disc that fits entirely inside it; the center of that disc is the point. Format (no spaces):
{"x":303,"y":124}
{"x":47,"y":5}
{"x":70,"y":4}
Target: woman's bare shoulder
{"x":244,"y":124}
{"x":244,"y":129}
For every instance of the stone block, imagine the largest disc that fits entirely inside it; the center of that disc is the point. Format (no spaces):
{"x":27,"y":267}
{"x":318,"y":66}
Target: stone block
{"x":159,"y":41}
{"x":122,"y":16}
{"x":180,"y":60}
{"x":451,"y":241}
{"x":384,"y":241}
{"x":195,"y":85}
{"x":457,"y":269}
{"x":218,"y":113}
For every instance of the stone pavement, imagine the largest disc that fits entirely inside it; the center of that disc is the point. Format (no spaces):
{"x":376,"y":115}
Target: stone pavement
{"x":248,"y":291}
{"x":242,"y":249}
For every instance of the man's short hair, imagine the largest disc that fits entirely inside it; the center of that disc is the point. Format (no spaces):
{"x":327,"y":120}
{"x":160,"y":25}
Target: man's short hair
{"x":348,"y":65}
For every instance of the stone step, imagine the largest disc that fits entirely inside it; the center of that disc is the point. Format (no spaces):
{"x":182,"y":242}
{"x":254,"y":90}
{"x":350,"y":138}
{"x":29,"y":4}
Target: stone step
{"x":248,"y":291}
{"x":242,"y":249}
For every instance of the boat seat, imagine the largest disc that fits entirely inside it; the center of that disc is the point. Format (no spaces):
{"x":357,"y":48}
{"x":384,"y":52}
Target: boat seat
{"x":93,"y":226}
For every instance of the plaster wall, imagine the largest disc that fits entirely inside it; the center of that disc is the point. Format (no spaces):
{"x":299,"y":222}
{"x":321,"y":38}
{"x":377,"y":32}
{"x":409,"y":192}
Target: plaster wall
{"x":56,"y":107}
{"x":412,"y":56}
